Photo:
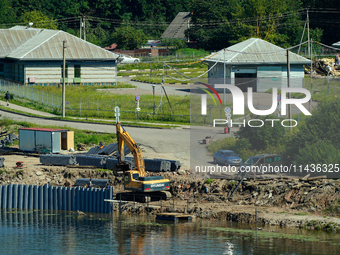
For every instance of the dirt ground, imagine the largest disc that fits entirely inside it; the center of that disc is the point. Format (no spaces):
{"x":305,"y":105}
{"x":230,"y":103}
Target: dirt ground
{"x":285,"y":202}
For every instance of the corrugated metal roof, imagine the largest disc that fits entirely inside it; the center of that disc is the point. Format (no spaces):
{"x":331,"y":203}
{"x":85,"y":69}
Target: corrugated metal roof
{"x":12,"y":39}
{"x":44,"y":129}
{"x":178,"y":26}
{"x":337,"y":44}
{"x":45,"y":44}
{"x":256,"y":51}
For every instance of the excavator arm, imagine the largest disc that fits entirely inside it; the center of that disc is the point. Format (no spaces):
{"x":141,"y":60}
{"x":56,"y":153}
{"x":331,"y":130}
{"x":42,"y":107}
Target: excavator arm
{"x":123,"y":137}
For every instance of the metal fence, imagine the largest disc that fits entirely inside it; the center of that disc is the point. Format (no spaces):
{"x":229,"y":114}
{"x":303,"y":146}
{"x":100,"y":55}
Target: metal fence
{"x":28,"y":93}
{"x":159,"y":111}
{"x":101,"y":108}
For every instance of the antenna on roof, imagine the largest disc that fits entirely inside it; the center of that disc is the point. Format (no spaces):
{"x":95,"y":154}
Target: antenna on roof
{"x":30,"y":24}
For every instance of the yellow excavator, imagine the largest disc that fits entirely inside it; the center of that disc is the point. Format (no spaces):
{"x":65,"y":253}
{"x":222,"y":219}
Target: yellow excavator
{"x":142,"y":188}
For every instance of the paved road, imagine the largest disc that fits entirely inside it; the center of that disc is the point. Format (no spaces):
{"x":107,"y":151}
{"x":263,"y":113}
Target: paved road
{"x":183,"y":144}
{"x":178,"y":143}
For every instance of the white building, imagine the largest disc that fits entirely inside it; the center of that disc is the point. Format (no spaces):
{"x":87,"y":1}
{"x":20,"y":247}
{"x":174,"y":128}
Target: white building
{"x":35,"y":56}
{"x":255,"y":63}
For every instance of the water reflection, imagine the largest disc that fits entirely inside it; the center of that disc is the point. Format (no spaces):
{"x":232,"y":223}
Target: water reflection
{"x":46,"y":232}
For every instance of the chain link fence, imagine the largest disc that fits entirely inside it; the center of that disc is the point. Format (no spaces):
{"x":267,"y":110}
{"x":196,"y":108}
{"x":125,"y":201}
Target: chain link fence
{"x":96,"y":108}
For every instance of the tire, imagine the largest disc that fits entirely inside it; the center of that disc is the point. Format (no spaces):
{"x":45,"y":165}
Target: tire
{"x":136,"y":61}
{"x":226,"y":163}
{"x":215,"y":161}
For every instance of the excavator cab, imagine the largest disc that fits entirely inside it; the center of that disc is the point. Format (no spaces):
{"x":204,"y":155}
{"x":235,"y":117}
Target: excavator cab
{"x":130,"y":176}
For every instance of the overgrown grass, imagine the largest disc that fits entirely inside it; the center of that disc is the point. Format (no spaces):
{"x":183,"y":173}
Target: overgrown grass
{"x":333,"y":209}
{"x":160,"y":65}
{"x":169,"y":75}
{"x":324,"y":89}
{"x":88,"y":101}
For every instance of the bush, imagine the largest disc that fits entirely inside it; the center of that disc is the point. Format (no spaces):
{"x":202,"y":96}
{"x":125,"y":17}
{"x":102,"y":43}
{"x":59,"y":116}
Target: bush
{"x":209,"y":181}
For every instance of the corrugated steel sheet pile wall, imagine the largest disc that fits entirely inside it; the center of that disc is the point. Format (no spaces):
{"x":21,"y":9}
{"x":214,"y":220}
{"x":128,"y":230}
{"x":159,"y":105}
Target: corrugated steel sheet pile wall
{"x":107,"y":150}
{"x":175,"y":164}
{"x":97,"y":156}
{"x":96,"y":183}
{"x":32,"y":197}
{"x":58,"y":159}
{"x":92,"y":160}
{"x":112,"y":162}
{"x":157,"y":165}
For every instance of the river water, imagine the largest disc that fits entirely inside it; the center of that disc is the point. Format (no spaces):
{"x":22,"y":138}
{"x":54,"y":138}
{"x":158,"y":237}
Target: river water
{"x":42,"y":232}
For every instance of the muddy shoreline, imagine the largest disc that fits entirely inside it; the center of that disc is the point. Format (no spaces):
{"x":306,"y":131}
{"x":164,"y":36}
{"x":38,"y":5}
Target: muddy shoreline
{"x":305,"y":203}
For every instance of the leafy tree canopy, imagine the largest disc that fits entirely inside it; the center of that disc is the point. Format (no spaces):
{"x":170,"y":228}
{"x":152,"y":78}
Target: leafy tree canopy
{"x":40,"y":20}
{"x":128,"y":38}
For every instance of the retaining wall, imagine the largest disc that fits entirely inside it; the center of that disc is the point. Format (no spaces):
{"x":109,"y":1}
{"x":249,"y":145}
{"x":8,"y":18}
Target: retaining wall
{"x":30,"y":197}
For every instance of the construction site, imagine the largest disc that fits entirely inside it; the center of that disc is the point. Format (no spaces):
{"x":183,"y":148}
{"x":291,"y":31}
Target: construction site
{"x":306,"y":202}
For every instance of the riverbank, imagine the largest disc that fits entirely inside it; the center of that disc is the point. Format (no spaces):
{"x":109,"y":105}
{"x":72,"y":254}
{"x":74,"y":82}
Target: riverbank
{"x":304,"y":203}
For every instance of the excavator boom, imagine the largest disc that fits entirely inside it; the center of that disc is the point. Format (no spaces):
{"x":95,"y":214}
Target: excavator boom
{"x":124,"y":138}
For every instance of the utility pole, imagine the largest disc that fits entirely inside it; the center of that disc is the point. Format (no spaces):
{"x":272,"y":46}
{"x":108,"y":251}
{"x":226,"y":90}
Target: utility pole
{"x":311,"y":72}
{"x":308,"y":33}
{"x":224,"y":73}
{"x":64,"y":76}
{"x":153,"y":92}
{"x":81,"y":25}
{"x":288,"y":85}
{"x":84,"y":28}
{"x":303,"y":33}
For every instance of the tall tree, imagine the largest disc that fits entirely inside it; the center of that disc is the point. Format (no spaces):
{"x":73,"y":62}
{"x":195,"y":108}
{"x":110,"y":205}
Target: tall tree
{"x":39,"y":19}
{"x":233,"y":21}
{"x":7,"y":13}
{"x":128,"y":38}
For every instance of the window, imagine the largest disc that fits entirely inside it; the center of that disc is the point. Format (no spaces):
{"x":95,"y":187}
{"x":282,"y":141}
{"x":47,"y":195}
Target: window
{"x":277,"y":159}
{"x":66,"y":73}
{"x":269,"y":160}
{"x":77,"y":71}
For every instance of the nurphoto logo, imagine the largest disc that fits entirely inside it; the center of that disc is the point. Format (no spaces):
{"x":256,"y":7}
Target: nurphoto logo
{"x":238,"y":104}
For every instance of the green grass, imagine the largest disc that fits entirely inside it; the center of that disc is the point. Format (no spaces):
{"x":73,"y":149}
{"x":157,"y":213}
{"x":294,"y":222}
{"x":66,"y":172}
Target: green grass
{"x":323,"y":89}
{"x":104,"y":170}
{"x":209,"y":181}
{"x":88,"y":102}
{"x":301,"y":213}
{"x":190,"y":64}
{"x":169,"y":74}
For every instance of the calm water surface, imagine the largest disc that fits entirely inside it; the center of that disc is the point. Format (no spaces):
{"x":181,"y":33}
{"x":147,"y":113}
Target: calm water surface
{"x":66,"y":233}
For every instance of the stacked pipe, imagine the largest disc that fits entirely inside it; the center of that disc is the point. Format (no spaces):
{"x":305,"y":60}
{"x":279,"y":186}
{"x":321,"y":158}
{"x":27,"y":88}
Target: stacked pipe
{"x":58,"y":159}
{"x":107,"y":150}
{"x":95,"y":160}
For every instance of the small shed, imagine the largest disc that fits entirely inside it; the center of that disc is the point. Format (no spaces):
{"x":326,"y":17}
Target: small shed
{"x":42,"y":140}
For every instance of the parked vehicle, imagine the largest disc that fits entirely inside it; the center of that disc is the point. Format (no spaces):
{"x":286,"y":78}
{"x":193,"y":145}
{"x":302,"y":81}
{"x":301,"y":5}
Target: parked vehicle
{"x":265,"y":160}
{"x":126,"y":59}
{"x":227,"y":157}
